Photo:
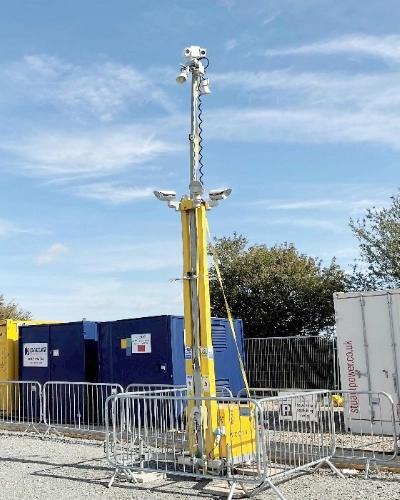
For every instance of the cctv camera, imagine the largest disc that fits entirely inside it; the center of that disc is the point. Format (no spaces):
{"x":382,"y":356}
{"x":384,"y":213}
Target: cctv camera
{"x":194,"y":52}
{"x":219,"y":194}
{"x":165,"y":195}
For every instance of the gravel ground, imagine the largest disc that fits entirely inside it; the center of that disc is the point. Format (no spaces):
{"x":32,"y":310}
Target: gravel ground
{"x":70,"y":469}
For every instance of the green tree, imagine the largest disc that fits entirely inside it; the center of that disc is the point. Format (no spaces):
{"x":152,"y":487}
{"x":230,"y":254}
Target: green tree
{"x":11,"y":310}
{"x":378,"y":234}
{"x":276,"y":291}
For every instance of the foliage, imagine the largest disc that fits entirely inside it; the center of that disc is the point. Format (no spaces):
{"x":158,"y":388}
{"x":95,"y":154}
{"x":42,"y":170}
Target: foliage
{"x":276,"y":291}
{"x":11,"y":310}
{"x":378,"y":234}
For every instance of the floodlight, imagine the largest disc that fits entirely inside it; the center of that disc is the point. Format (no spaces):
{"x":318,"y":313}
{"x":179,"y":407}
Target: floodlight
{"x":183,"y":76}
{"x":204,"y":88}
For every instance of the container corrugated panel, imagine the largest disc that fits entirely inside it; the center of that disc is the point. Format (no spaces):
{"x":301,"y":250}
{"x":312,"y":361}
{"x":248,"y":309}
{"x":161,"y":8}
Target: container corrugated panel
{"x":150,"y":350}
{"x":227,"y":365}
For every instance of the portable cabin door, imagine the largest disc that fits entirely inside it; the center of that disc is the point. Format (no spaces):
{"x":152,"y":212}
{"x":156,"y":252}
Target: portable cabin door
{"x":366,"y":326}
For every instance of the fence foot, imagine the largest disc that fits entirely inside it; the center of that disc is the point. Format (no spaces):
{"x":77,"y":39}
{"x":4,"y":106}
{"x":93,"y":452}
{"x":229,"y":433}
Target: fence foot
{"x":48,"y":432}
{"x":128,"y":474}
{"x":368,"y":467}
{"x":331,"y":466}
{"x":33,"y":427}
{"x":275,"y":490}
{"x":232,"y":490}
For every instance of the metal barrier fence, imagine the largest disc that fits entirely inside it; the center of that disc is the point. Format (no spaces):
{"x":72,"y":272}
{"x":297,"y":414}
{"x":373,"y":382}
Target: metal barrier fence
{"x":20,"y":404}
{"x":365,"y":428}
{"x":286,"y":362}
{"x":77,"y":406}
{"x":158,"y":437}
{"x":364,"y":423}
{"x":253,"y":443}
{"x":299,"y":433}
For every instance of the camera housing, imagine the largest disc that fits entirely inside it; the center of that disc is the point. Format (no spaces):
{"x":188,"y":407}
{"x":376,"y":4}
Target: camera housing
{"x":165,"y":195}
{"x":194,"y":52}
{"x":219,"y":194}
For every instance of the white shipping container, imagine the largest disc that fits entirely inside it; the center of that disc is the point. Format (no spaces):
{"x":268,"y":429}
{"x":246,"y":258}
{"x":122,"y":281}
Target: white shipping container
{"x":368,"y":340}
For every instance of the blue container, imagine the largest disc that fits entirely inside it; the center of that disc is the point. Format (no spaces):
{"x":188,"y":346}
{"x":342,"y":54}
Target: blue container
{"x":62,"y":352}
{"x":58,"y":352}
{"x":151,"y":350}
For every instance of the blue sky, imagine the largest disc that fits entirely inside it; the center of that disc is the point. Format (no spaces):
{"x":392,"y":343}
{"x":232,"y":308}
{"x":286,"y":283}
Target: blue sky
{"x":303,"y":122}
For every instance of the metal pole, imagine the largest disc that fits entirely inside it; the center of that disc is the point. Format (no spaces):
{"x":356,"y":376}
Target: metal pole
{"x":192,"y":219}
{"x":193,"y":130}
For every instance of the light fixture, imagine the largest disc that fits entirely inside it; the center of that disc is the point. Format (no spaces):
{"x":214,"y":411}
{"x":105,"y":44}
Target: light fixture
{"x":183,"y":76}
{"x":204,"y":88}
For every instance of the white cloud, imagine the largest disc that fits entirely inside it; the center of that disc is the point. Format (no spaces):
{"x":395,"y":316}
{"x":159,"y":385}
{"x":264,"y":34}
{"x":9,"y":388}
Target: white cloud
{"x":270,"y":18}
{"x":86,"y":154}
{"x":383,"y":47}
{"x":304,"y":126}
{"x":103,"y":90}
{"x":92,"y":298}
{"x":50,"y":254}
{"x":304,"y":205}
{"x":349,"y":199}
{"x":121,"y":257}
{"x":324,"y":224}
{"x":145,"y":305}
{"x":231,"y":44}
{"x":113,"y":193}
{"x":8,"y":227}
{"x":310,"y":107}
{"x":99,"y":304}
{"x":374,"y":92}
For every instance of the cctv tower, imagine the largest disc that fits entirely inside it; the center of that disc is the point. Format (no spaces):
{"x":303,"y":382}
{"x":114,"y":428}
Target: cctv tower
{"x":208,"y":434}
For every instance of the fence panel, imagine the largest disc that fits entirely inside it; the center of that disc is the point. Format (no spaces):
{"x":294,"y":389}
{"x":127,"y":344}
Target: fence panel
{"x":20,"y":404}
{"x":365,"y":428}
{"x":167,"y":432}
{"x":288,"y":362}
{"x":77,"y":406}
{"x":299,"y":432}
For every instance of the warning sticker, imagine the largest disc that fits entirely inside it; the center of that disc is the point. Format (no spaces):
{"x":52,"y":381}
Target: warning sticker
{"x":141,"y":343}
{"x":207,"y":352}
{"x":188,"y":353}
{"x":206,"y":384}
{"x":189,"y":384}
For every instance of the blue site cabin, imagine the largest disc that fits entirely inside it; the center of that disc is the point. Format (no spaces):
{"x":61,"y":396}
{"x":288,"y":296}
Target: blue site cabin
{"x":151,"y":350}
{"x":59,"y":352}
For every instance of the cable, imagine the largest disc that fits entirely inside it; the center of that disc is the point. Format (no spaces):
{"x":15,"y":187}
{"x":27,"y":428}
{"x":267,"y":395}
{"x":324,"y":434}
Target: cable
{"x":208,"y":62}
{"x":200,"y":128}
